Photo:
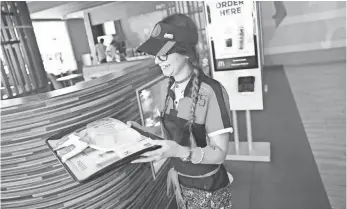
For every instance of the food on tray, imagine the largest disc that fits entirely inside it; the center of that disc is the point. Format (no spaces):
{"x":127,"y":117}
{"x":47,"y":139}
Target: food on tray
{"x":110,"y":134}
{"x":104,"y":135}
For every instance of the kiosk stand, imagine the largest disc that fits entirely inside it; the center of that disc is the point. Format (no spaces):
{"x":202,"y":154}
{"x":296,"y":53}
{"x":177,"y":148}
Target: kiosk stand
{"x":247,"y":151}
{"x":236,"y":60}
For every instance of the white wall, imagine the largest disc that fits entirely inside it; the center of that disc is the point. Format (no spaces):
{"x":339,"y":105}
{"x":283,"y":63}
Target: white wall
{"x":310,"y":27}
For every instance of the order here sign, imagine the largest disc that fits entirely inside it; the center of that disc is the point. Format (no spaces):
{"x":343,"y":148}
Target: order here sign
{"x":229,"y":7}
{"x":234,"y":48}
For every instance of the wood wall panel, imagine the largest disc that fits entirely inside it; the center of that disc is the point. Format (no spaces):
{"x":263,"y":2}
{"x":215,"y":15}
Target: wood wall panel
{"x":22,"y":69}
{"x":32,"y":177}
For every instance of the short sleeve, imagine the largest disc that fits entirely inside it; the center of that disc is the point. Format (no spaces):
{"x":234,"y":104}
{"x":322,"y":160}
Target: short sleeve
{"x":218,"y":120}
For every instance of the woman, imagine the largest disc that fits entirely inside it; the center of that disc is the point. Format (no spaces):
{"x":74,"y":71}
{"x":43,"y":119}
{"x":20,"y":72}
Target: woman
{"x":195,"y":119}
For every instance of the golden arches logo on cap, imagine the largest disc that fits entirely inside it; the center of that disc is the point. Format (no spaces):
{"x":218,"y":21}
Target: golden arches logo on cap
{"x":156,"y":31}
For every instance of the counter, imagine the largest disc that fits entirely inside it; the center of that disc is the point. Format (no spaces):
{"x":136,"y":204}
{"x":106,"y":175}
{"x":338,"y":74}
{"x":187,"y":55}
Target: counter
{"x":95,"y":71}
{"x":31,"y":177}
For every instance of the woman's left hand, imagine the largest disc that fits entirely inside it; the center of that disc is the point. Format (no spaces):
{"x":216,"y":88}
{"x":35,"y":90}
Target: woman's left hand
{"x":168,"y":148}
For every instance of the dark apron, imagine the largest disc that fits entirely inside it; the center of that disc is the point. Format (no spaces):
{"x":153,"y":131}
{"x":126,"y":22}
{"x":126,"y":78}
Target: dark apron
{"x":178,"y":132}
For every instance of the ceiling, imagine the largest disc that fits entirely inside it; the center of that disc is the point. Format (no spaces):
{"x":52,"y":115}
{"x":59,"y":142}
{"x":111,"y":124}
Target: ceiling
{"x":61,"y":9}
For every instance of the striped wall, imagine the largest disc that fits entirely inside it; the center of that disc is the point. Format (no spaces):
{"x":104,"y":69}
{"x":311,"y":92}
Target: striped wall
{"x":31,"y":176}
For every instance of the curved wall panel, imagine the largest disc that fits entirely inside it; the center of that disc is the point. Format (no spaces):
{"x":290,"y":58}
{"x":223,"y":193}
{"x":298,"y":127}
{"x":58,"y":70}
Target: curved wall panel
{"x":31,"y":177}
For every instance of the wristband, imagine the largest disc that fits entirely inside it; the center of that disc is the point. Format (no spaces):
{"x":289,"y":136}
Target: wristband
{"x":202,"y":156}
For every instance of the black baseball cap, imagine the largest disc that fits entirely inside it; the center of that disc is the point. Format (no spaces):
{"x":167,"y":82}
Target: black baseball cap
{"x":164,"y":37}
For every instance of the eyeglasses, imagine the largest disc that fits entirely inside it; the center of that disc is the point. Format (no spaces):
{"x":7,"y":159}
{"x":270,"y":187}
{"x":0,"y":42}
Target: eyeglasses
{"x":161,"y":57}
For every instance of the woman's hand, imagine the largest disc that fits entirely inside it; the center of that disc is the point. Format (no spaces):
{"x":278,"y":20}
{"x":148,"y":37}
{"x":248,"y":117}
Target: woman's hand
{"x":168,"y":149}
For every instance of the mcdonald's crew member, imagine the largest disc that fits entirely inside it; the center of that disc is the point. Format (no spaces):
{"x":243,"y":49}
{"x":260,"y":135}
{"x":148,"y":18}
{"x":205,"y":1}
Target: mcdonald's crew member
{"x":195,"y":119}
{"x":101,"y":51}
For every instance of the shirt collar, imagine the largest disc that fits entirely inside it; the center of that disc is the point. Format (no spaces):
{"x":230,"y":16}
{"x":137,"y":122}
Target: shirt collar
{"x":188,"y":89}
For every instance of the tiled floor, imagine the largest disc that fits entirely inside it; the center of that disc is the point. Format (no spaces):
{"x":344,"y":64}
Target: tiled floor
{"x":320,"y":95}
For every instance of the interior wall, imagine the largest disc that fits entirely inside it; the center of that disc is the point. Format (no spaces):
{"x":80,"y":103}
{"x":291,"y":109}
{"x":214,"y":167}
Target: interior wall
{"x":138,"y":29}
{"x":79,"y":40}
{"x":124,"y":10}
{"x":310,"y":28}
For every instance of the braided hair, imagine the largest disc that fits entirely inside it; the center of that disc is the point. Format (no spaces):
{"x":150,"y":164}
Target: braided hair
{"x":195,"y":90}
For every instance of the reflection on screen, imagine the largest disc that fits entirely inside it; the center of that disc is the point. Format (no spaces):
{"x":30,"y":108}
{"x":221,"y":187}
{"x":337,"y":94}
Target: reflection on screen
{"x":151,"y":112}
{"x":151,"y":99}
